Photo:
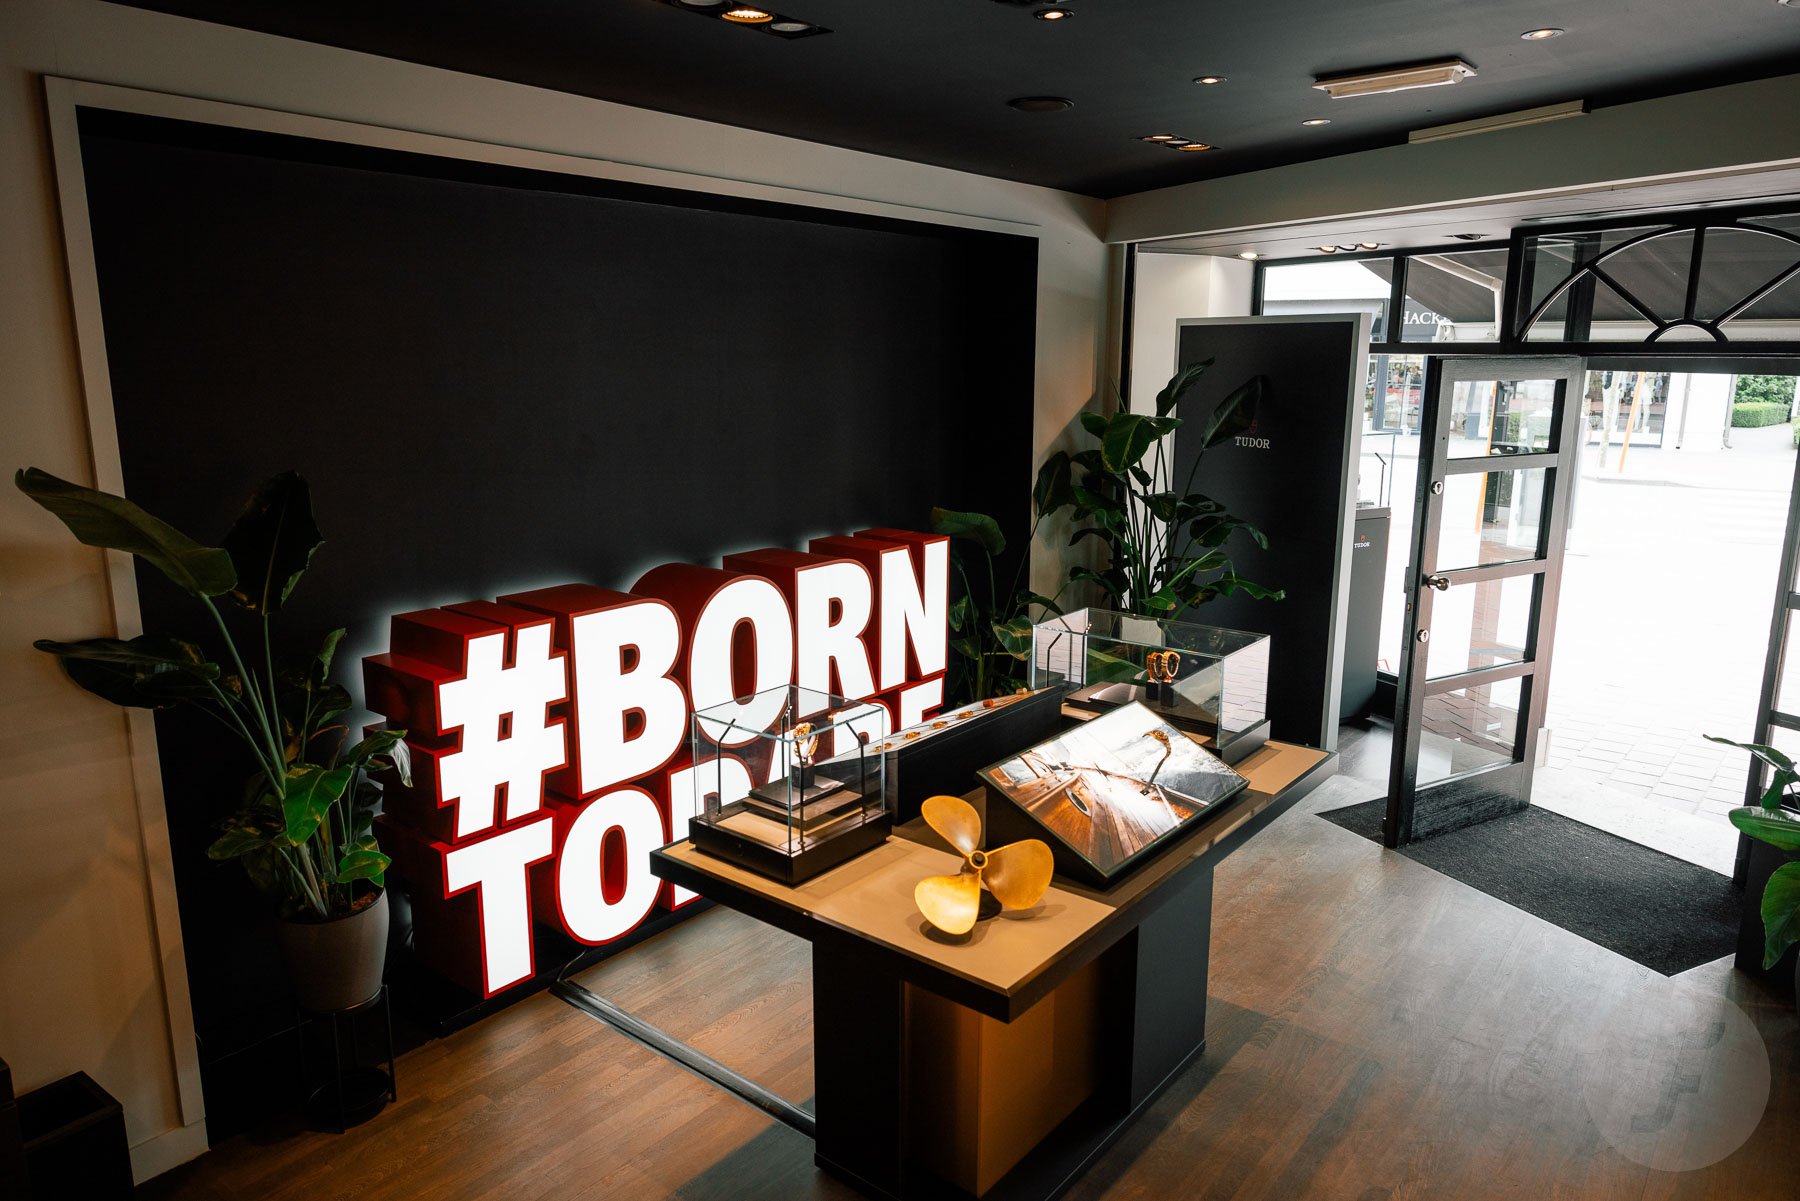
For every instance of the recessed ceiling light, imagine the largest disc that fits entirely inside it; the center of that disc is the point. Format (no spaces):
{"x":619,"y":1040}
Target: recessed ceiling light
{"x":1394,"y":79}
{"x":1468,"y":237}
{"x":1328,"y":250}
{"x":743,"y":14}
{"x":1248,"y":254}
{"x":1158,"y":137}
{"x":1053,"y":14}
{"x":1542,"y":35}
{"x":1209,"y":79}
{"x":1370,"y":245}
{"x":789,"y":27}
{"x":1347,"y":249}
{"x":1196,"y":146}
{"x":1317,"y":121}
{"x":1041,"y":104}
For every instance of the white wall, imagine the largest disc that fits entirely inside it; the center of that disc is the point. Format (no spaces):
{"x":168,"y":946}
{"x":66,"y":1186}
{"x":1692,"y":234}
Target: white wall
{"x":1721,"y":129}
{"x":1169,"y":288}
{"x":90,"y":970}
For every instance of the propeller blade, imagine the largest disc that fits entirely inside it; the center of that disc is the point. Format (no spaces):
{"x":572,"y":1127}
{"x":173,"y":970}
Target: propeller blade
{"x":955,"y":820}
{"x":1018,"y":874}
{"x":949,"y":902}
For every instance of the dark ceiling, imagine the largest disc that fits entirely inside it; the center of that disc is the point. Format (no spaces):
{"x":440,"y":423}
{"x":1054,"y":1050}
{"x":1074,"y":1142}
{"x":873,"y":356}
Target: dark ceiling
{"x":927,"y":80}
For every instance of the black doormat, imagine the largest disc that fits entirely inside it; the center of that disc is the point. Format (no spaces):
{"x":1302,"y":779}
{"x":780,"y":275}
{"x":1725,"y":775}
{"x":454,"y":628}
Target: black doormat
{"x":1662,"y":912}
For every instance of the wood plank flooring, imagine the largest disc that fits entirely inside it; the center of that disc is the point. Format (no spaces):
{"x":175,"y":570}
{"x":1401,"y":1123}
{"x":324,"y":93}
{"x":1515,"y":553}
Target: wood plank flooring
{"x":1376,"y":1030}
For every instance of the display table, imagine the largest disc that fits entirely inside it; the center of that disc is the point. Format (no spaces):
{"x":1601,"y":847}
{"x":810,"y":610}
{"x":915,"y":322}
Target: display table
{"x":1001,"y":1063}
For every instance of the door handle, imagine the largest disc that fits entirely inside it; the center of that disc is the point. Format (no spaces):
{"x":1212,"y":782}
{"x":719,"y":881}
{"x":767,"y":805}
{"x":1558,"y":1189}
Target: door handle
{"x":1441,"y":583}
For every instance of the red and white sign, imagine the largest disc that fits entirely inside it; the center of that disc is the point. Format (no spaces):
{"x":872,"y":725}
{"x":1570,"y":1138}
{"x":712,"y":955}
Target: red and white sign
{"x":549,"y":728}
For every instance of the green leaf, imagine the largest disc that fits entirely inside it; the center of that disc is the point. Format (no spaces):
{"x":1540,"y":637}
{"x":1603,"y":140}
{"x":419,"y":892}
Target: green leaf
{"x":327,"y":652}
{"x":1779,"y":828}
{"x":1109,"y":583}
{"x":1055,"y":488}
{"x":1048,"y":603}
{"x":1106,"y":668}
{"x":114,"y":523}
{"x":976,"y":527}
{"x":1781,"y":913}
{"x":1129,"y":435}
{"x":1176,"y":390}
{"x":1235,"y":414}
{"x":1093,"y":423}
{"x":1014,"y":637}
{"x":1162,"y":504}
{"x":1786,"y":772}
{"x":147,"y":672}
{"x":960,"y":610}
{"x":237,"y":840}
{"x":968,"y":648}
{"x":363,"y":861}
{"x":1227,"y":584}
{"x":311,"y":792}
{"x":380,"y":751}
{"x":271,"y":544}
{"x":1088,"y":501}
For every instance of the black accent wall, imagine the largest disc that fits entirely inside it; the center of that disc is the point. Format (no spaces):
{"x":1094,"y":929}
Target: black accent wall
{"x":494,"y":379}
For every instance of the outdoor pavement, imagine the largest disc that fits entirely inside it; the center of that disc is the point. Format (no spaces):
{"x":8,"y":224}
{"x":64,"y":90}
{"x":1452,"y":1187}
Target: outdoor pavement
{"x":1667,"y":589}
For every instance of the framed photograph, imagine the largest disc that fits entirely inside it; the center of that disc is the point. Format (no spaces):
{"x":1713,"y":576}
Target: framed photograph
{"x":1109,"y":790}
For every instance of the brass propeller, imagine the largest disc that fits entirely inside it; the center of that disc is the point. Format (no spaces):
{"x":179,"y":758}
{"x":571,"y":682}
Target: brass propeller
{"x":1017,"y":874}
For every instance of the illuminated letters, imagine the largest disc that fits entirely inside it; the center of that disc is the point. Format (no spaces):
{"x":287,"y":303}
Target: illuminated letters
{"x":548,"y":728}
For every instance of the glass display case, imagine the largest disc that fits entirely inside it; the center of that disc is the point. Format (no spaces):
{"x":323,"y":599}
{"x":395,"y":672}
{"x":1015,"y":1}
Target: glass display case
{"x":1205,"y":679}
{"x":792,"y":781}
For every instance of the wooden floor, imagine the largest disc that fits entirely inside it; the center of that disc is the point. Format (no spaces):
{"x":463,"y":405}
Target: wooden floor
{"x":1376,"y":1030}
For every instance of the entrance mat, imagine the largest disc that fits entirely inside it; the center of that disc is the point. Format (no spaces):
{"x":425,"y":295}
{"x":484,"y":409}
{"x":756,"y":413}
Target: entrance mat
{"x":1662,"y":912}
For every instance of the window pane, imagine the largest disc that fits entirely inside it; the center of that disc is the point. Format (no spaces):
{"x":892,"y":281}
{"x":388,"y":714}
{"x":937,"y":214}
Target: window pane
{"x":1491,"y":517}
{"x":1454,"y":297}
{"x":1735,"y":263}
{"x":1468,"y":729}
{"x":1490,"y":417}
{"x":1352,"y":286}
{"x":1479,"y":625}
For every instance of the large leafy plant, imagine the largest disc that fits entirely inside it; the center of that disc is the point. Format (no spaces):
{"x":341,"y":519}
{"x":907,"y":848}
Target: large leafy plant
{"x":1166,"y":545}
{"x":1768,"y":821}
{"x":305,"y":830}
{"x":990,"y":627}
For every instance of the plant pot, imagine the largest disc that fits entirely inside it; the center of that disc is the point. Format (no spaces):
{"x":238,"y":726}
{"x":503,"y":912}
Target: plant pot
{"x":337,"y":964}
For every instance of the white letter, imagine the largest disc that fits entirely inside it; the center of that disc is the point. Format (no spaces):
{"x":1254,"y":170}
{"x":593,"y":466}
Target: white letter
{"x":608,"y":692}
{"x":496,"y":868}
{"x":915,"y":611}
{"x":711,"y":681}
{"x":581,"y":870}
{"x":822,"y":643}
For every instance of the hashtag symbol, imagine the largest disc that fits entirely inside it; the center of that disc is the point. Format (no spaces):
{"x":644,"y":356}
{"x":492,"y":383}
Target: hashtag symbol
{"x":508,"y":740}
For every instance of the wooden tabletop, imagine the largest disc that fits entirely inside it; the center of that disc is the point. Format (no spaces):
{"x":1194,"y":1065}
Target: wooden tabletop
{"x":1004,"y":965}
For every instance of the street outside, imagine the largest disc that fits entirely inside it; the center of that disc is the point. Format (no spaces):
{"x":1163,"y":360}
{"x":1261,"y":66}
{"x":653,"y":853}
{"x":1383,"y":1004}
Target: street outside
{"x":1668,"y":585}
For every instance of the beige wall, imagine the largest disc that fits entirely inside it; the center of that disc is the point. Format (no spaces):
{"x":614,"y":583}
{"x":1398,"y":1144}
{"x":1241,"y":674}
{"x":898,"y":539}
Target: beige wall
{"x":89,"y":977}
{"x":1169,"y":288}
{"x":1718,"y":130}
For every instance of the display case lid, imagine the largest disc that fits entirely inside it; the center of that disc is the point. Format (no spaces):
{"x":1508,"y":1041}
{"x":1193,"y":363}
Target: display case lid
{"x":1116,"y":626}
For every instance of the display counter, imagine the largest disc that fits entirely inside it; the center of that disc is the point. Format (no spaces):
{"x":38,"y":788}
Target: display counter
{"x":1000,"y":1063}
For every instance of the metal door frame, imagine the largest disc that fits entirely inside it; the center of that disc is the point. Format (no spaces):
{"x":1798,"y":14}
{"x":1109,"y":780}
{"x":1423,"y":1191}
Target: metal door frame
{"x":1472,"y":793}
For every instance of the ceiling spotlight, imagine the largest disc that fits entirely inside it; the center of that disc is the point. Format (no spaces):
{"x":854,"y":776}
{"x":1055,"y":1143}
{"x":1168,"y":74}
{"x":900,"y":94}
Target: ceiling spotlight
{"x":1158,"y":137}
{"x":1468,"y":237}
{"x":1541,"y":35}
{"x":1196,"y":146}
{"x":1248,"y":254}
{"x":1053,"y":14}
{"x":743,"y":14}
{"x":1317,"y":121}
{"x":1041,"y":104}
{"x":1328,"y":250}
{"x":1394,"y":79}
{"x":1209,"y":79}
{"x":789,"y":27}
{"x":1370,"y":245}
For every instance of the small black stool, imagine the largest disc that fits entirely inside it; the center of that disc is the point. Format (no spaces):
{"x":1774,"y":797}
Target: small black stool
{"x":352,"y":1092}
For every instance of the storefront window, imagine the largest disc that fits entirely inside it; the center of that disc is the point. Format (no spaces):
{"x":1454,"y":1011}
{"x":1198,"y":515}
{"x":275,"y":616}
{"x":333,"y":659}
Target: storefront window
{"x":1454,"y":297}
{"x":1345,"y":286}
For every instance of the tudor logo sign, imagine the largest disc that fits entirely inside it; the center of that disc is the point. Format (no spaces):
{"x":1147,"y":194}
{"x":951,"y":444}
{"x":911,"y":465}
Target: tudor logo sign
{"x":548,"y":728}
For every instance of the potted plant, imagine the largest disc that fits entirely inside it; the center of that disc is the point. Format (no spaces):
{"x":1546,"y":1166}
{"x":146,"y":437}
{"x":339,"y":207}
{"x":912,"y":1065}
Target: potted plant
{"x":1166,"y":549}
{"x":304,"y":832}
{"x":1770,"y":822}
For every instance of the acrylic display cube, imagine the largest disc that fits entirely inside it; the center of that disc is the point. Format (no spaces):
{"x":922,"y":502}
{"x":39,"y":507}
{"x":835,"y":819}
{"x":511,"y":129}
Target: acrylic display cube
{"x":792,"y":781}
{"x":1212,"y":681}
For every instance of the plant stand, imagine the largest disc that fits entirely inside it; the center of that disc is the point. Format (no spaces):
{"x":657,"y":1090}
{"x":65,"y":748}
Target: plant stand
{"x":351,"y":1092}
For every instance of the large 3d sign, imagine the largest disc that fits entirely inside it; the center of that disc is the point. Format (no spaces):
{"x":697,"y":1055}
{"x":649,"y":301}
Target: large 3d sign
{"x":549,"y":728}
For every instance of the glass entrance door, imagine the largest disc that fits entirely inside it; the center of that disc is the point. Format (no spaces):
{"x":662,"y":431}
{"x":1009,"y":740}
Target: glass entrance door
{"x":1498,"y":445}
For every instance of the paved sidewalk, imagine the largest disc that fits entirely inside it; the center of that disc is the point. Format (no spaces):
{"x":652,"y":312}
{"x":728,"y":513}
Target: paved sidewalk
{"x":1663,"y":626}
